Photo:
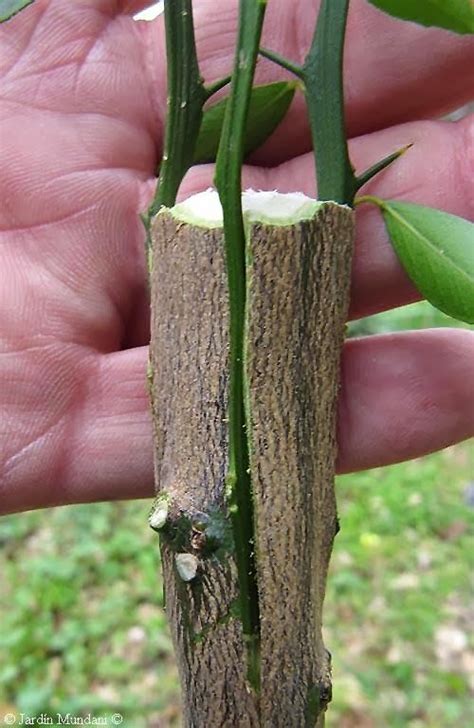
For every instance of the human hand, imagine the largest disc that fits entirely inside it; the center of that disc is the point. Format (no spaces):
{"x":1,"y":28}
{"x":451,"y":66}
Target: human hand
{"x":82,"y":108}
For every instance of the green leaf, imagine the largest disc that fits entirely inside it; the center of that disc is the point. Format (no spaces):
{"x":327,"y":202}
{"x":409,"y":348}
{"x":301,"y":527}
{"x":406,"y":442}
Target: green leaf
{"x":437,"y":251}
{"x":9,"y":8}
{"x":268,"y":106}
{"x":456,"y":15}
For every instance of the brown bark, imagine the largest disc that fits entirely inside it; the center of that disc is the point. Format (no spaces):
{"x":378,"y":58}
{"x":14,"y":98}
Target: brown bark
{"x":298,"y":288}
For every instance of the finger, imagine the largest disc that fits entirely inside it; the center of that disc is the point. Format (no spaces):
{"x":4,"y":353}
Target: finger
{"x":113,"y":453}
{"x":435,"y":172}
{"x":75,"y":125}
{"x":394,"y":71}
{"x":93,"y":439}
{"x":404,"y":395}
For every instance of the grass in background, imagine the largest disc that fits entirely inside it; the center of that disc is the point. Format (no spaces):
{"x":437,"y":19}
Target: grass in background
{"x":420,"y":315}
{"x":83,"y":628}
{"x":397,"y":609}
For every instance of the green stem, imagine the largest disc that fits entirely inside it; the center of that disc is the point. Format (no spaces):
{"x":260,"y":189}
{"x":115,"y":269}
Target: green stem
{"x":186,"y":98}
{"x":228,"y":182}
{"x":370,"y":199}
{"x":282,"y":61}
{"x":217,"y":85}
{"x":322,"y":75}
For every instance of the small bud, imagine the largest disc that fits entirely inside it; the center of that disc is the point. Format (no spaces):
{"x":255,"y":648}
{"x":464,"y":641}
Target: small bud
{"x":187,"y":566}
{"x":159,"y":513}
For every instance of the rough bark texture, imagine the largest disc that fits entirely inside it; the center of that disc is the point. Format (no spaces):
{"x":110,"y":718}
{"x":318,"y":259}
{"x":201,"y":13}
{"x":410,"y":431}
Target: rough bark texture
{"x":298,"y":288}
{"x":297,"y":302}
{"x":189,"y":359}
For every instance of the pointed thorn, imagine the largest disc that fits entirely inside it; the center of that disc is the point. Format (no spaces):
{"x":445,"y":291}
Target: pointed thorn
{"x":366,"y":176}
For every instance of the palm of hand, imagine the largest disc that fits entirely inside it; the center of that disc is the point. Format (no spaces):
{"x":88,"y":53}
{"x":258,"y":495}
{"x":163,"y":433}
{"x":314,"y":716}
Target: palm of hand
{"x":81,"y":114}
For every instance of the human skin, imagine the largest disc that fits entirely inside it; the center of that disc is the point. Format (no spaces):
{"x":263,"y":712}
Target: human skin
{"x":82,"y":104}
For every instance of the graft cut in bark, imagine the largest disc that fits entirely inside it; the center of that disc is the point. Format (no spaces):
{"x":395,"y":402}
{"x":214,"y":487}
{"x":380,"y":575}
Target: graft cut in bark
{"x":297,"y":284}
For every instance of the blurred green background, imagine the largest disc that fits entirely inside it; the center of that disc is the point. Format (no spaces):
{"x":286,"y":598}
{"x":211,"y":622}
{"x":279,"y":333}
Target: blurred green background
{"x":81,"y":607}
